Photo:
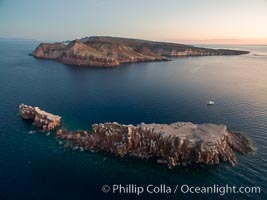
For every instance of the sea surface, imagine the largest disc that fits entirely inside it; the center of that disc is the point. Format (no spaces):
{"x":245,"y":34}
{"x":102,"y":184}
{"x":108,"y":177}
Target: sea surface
{"x":36,"y":166}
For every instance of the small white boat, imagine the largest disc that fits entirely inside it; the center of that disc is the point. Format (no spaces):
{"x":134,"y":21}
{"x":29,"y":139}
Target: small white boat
{"x":209,"y":103}
{"x":31,"y":132}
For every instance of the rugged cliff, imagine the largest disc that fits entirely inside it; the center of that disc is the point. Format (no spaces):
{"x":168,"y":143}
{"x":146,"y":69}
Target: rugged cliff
{"x":42,"y":119}
{"x":174,"y":144}
{"x":113,"y":51}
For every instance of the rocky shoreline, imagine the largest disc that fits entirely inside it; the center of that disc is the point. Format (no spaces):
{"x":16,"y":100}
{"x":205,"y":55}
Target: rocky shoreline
{"x":179,"y":143}
{"x":105,"y":51}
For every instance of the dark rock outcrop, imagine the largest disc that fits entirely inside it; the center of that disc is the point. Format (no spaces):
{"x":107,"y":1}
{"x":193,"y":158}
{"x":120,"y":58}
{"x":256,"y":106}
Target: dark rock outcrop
{"x":180,"y":143}
{"x":44,"y":120}
{"x":174,"y":144}
{"x":113,"y":51}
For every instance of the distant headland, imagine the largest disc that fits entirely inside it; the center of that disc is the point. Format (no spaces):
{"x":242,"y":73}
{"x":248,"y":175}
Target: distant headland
{"x":105,"y":51}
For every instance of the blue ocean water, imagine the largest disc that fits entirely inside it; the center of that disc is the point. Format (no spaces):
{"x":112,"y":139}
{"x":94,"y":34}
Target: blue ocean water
{"x":36,"y":166}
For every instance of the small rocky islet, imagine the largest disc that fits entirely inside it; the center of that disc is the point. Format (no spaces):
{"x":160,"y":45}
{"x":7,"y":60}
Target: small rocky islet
{"x":105,"y":51}
{"x":175,"y":144}
{"x":41,"y":119}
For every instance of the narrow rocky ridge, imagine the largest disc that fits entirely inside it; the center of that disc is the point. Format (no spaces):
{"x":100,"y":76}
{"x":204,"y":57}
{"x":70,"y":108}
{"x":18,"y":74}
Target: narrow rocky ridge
{"x":179,"y":143}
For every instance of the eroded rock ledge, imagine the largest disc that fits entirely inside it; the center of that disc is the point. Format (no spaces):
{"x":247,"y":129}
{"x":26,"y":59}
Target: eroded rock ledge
{"x":42,"y":119}
{"x":173,"y":144}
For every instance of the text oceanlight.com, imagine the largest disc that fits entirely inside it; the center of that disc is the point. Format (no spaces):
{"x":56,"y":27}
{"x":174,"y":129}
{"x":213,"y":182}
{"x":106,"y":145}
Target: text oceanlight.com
{"x":183,"y":189}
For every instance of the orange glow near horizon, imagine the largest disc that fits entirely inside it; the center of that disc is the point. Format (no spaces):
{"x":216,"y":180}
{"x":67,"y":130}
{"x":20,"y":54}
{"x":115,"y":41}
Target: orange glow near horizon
{"x":189,"y":22}
{"x":262,"y":41}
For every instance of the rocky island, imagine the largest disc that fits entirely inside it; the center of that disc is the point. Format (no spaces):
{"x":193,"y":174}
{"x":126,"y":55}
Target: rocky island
{"x":44,"y":120}
{"x":179,"y":143}
{"x":104,"y":51}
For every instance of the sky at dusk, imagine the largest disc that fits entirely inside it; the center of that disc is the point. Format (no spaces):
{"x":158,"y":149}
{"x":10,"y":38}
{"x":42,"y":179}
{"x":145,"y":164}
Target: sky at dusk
{"x":187,"y":21}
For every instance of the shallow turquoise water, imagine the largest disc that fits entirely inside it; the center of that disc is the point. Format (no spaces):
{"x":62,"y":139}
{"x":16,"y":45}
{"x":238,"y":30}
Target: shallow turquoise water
{"x":35,"y":166}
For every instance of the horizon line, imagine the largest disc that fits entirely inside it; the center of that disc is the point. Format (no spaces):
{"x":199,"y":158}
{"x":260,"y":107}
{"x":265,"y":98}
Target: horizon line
{"x":232,"y":41}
